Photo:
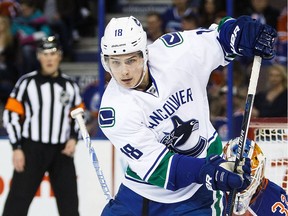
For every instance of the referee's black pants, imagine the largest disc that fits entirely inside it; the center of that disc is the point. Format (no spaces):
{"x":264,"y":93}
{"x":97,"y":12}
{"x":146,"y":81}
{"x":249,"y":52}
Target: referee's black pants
{"x":40,"y":158}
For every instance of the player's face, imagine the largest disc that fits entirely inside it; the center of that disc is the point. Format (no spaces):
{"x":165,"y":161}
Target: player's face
{"x":127,"y":69}
{"x":49,"y":60}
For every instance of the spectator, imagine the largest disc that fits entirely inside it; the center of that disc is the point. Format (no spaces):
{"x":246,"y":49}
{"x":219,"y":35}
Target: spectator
{"x":9,"y":8}
{"x":210,"y":11}
{"x":8,"y":70}
{"x":85,"y":19}
{"x":190,"y":21}
{"x":173,"y":15}
{"x":42,"y":134}
{"x":218,"y":100}
{"x":262,"y":197}
{"x":219,"y":112}
{"x":29,"y":28}
{"x":153,"y":26}
{"x":273,"y":101}
{"x":282,"y":43}
{"x":262,"y":11}
{"x":218,"y":80}
{"x":60,"y":17}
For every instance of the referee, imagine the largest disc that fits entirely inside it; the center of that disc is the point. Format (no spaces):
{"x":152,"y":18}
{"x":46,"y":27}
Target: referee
{"x":42,"y":134}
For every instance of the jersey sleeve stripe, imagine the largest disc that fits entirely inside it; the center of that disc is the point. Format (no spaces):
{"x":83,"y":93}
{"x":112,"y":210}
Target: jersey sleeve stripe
{"x":155,"y":164}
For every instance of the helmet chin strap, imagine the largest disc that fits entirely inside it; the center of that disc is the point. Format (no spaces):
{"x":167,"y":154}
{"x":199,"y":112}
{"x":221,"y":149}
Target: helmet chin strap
{"x":141,"y":79}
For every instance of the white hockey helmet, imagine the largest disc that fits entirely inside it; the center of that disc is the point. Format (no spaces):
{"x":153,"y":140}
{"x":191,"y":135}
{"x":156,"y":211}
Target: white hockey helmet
{"x":252,"y":151}
{"x":123,"y":36}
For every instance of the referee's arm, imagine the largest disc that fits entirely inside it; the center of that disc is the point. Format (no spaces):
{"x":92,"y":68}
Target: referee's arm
{"x":13,"y":117}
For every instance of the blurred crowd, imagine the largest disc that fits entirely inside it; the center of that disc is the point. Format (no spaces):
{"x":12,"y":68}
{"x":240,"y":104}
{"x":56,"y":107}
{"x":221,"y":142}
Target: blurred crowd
{"x":24,"y":22}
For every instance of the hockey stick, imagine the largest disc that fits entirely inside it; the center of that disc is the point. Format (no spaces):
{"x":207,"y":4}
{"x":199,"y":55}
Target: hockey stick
{"x":245,"y":125}
{"x":77,"y":114}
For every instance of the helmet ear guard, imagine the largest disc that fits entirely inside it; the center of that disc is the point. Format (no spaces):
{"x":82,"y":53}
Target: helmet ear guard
{"x":258,"y":160}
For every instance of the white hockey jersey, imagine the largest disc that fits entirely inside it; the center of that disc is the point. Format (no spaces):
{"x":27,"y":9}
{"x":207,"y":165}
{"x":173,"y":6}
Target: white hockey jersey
{"x":171,"y":116}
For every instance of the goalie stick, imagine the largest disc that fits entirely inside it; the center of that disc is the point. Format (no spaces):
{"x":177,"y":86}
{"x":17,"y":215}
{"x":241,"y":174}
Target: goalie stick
{"x":245,"y":125}
{"x":77,"y":114}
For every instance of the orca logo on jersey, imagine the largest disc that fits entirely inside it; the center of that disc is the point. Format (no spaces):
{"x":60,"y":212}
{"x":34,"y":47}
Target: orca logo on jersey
{"x":106,"y":117}
{"x":180,"y":134}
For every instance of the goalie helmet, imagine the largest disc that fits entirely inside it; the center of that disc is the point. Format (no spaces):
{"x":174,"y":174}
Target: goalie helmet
{"x":253,"y":151}
{"x":123,"y":36}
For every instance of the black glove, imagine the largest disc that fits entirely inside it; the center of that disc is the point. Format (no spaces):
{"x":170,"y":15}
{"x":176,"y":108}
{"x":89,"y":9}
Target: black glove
{"x":217,"y":174}
{"x":247,"y":37}
{"x":265,"y":42}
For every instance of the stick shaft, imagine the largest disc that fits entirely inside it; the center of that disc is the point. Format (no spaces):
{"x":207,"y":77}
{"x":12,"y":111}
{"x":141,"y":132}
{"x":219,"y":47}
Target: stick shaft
{"x":86,"y":137}
{"x":245,"y":125}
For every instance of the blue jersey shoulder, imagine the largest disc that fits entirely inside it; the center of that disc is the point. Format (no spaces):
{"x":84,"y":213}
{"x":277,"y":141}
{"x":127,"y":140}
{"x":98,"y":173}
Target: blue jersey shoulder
{"x":271,"y":200}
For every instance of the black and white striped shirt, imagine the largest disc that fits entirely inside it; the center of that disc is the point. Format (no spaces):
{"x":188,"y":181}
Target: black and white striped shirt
{"x":39,"y":109}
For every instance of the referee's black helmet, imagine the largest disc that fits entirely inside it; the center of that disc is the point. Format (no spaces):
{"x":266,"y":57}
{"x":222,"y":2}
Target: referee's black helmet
{"x":50,"y":43}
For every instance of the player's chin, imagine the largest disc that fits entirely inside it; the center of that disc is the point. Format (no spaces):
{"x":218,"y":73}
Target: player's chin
{"x":127,"y":84}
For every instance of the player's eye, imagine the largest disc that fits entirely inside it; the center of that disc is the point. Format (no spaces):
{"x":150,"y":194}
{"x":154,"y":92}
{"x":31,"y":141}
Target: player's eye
{"x":130,"y":61}
{"x":115,"y":63}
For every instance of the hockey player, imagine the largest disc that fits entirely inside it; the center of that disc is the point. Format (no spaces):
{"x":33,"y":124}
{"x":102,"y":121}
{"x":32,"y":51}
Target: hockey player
{"x":263,"y":197}
{"x":155,"y":112}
